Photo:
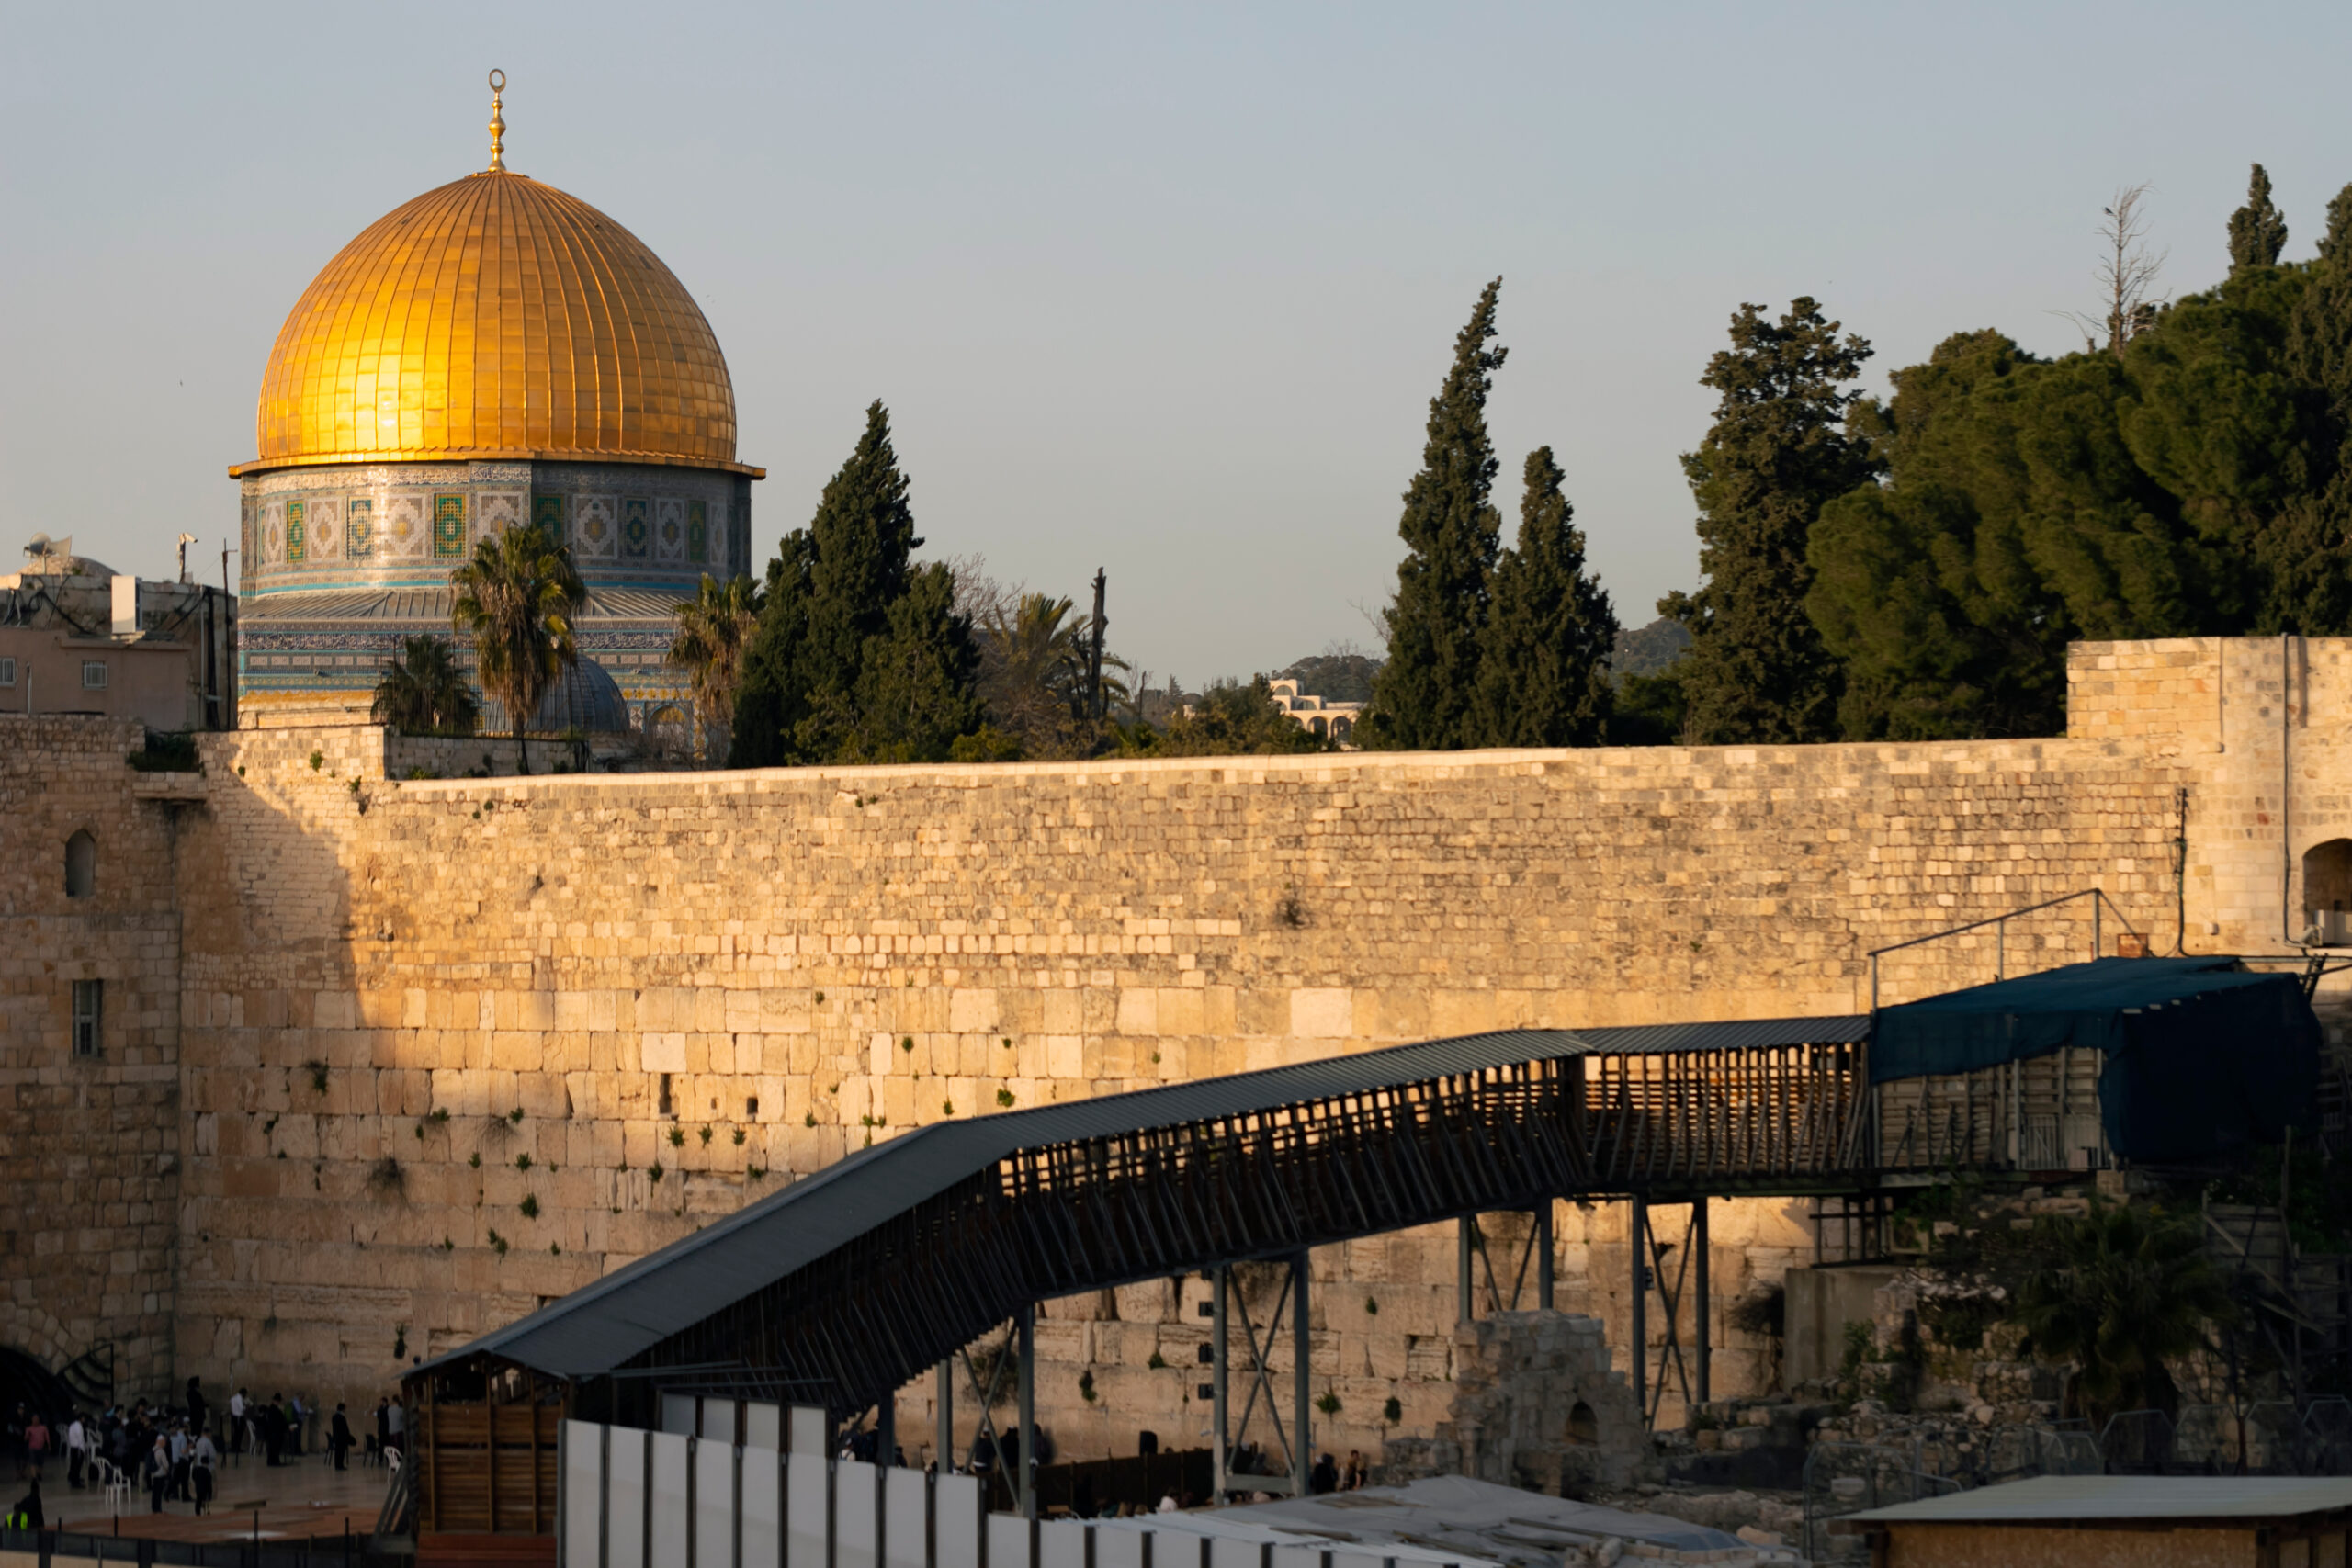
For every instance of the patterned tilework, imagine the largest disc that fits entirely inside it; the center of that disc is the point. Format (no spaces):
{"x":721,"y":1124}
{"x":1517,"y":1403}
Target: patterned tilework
{"x":359,"y":528}
{"x":449,"y":524}
{"x":637,"y":527}
{"x":296,"y":542}
{"x":547,"y":513}
{"x":697,"y":533}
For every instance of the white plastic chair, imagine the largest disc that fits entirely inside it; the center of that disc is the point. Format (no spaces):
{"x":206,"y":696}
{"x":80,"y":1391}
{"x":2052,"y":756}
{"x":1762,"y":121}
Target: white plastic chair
{"x":392,"y":1457}
{"x":116,"y":1484}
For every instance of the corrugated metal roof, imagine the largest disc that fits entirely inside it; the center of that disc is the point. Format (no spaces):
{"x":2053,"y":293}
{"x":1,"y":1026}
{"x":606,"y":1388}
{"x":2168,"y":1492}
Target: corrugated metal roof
{"x":2054,"y":1498}
{"x":431,"y":603}
{"x":603,"y":1326}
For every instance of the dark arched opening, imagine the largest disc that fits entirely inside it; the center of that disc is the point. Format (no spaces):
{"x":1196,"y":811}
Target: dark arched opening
{"x":1583,"y":1426}
{"x":81,"y":864}
{"x":2327,"y":890}
{"x":26,"y":1382}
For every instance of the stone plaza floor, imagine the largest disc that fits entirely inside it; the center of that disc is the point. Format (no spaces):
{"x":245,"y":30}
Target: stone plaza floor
{"x":304,"y":1498}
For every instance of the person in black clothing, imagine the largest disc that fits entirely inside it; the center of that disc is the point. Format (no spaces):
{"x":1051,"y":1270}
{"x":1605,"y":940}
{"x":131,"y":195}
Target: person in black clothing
{"x":197,"y":1410}
{"x":339,"y":1436}
{"x":272,"y":1430}
{"x":1323,"y":1477}
{"x":27,"y":1514}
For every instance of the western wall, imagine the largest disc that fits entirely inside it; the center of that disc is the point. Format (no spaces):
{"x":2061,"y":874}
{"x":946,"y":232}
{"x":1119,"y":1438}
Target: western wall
{"x":399,"y":1058}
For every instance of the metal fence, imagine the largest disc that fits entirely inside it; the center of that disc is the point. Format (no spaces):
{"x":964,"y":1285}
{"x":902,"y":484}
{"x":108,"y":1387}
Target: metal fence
{"x":2275,"y":1437}
{"x":66,"y":1549}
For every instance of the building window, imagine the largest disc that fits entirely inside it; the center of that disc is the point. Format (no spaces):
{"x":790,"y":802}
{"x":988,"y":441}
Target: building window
{"x":81,"y":864}
{"x":7,"y":671}
{"x":94,"y":674}
{"x":89,"y":1009}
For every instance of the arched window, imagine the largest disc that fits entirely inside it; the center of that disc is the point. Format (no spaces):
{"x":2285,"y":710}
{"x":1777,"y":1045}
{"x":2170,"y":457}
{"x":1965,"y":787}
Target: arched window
{"x":81,"y":864}
{"x":1315,"y":725}
{"x":2327,"y":890}
{"x":1343,"y":727}
{"x":1583,"y":1427}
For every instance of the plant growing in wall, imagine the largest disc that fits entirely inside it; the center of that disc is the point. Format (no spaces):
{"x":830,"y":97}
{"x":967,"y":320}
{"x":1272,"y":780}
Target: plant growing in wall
{"x":738,"y":1137}
{"x":654,"y":1171}
{"x":498,"y":1241}
{"x":1004,"y":1097}
{"x":523,"y":1162}
{"x":1158,"y":1363}
{"x":809,"y":1119}
{"x":474,"y":1159}
{"x":756,"y":1172}
{"x":515,"y":1116}
{"x":1086,"y":1386}
{"x":385,"y":1177}
{"x":318,"y":760}
{"x":1392,"y":1412}
{"x":1329,"y":1404}
{"x":530,"y":1206}
{"x":318,"y":1071}
{"x":677,"y":1137}
{"x":705,"y":1138}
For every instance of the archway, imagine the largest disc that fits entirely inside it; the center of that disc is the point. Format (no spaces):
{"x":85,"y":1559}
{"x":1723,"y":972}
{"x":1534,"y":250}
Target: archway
{"x":81,"y":864}
{"x":1583,"y":1426}
{"x":2327,"y":890}
{"x":26,"y":1382}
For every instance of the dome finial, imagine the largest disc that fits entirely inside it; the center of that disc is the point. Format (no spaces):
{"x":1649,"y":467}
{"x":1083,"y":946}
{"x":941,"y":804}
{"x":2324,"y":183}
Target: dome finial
{"x":497,"y":123}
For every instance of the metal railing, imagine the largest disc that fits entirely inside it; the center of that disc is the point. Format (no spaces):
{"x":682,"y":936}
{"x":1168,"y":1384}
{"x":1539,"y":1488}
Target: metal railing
{"x":1999,"y":923}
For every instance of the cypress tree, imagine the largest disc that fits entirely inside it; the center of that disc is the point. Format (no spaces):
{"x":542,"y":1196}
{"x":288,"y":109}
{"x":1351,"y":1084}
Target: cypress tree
{"x":2257,"y":229}
{"x":836,"y":652}
{"x":1544,"y":674}
{"x":1758,"y":671}
{"x":1425,"y":697}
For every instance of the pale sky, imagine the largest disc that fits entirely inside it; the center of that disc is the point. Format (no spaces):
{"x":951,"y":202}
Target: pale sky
{"x":1164,"y":290}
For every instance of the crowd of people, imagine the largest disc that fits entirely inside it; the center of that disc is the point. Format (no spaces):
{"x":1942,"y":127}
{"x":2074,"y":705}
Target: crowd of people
{"x":173,"y":1452}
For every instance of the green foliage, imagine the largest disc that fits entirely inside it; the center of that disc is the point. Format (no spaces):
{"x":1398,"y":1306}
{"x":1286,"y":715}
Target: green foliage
{"x":1004,"y":1098}
{"x":424,"y":692}
{"x":1033,"y":677}
{"x":1757,"y":670}
{"x":1426,"y":695}
{"x":2257,"y":229}
{"x":1543,"y":659}
{"x":1649,"y":650}
{"x":1650,"y":710}
{"x":2129,"y":1291}
{"x":1230,"y":719}
{"x":1339,"y":674}
{"x":166,"y":751}
{"x":516,"y":598}
{"x":714,"y":629}
{"x":677,"y":1137}
{"x":860,"y":656}
{"x":1328,"y":1402}
{"x":1392,"y":1411}
{"x":530,"y":1206}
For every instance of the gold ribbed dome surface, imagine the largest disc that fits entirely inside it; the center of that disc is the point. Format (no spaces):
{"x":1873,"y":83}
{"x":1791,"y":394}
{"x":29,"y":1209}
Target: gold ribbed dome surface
{"x":495,"y":317}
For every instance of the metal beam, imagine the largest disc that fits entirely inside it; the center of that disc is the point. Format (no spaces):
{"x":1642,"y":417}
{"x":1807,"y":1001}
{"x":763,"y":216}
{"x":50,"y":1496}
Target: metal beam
{"x":1302,"y":1425}
{"x":1219,"y":1359}
{"x":1544,"y":1256}
{"x":1463,"y":1308}
{"x":1637,"y":1235}
{"x":943,"y":1444}
{"x":1698,"y":1243}
{"x":1025,"y":1334}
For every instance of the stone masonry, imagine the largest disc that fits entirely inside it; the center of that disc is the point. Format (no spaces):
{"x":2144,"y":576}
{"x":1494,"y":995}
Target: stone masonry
{"x":429,"y":1052}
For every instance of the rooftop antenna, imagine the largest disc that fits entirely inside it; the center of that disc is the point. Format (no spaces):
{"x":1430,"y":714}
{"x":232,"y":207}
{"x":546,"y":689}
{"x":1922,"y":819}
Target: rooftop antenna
{"x":497,"y":122}
{"x":186,"y":540}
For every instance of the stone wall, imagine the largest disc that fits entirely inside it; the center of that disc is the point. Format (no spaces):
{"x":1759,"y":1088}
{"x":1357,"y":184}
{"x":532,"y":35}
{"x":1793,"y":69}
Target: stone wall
{"x":669,"y":994}
{"x":90,"y":1146}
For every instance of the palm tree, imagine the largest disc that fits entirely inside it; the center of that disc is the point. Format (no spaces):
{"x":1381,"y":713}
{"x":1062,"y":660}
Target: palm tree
{"x":423,"y":692}
{"x":518,"y":598}
{"x":1032,"y":673}
{"x":715,"y":627}
{"x":2128,"y":1291}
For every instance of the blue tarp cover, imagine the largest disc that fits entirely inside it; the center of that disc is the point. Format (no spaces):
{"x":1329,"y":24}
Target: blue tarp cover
{"x":2203,"y":1057}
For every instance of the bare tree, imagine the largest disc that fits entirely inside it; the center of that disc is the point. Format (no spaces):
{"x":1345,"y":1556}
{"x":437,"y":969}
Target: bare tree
{"x":2127,"y":274}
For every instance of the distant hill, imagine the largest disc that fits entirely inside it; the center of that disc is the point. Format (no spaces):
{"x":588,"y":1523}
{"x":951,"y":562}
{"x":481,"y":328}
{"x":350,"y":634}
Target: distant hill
{"x":1334,"y":677}
{"x":1645,"y":651}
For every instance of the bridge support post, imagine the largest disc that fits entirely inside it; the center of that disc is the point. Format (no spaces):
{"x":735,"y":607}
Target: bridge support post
{"x":944,"y":1443}
{"x":1637,"y":1233}
{"x":1218,"y":1366}
{"x":886,"y":1429}
{"x":1544,"y":1256}
{"x":1025,"y":1330}
{"x":1699,"y":1267}
{"x":1462,"y":1308}
{"x":1302,"y":1455}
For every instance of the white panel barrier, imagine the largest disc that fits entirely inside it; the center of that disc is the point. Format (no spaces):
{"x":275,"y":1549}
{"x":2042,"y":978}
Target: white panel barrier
{"x":1359,"y":1560}
{"x":856,"y":1515}
{"x":1007,"y":1542}
{"x":809,"y":1429}
{"x":1123,"y":1549}
{"x":762,"y":1429}
{"x":957,"y":1503}
{"x":667,"y":1506}
{"x":624,"y":1530}
{"x":762,"y":1507}
{"x":1298,"y":1557}
{"x":1061,"y":1543}
{"x":906,"y":1523}
{"x":717,"y":1420}
{"x":715,"y":1502}
{"x":806,"y":1499}
{"x":678,"y":1413}
{"x":1227,"y":1552}
{"x":584,"y":1489}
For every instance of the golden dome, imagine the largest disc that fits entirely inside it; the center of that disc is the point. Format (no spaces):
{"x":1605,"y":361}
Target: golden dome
{"x":495,"y":317}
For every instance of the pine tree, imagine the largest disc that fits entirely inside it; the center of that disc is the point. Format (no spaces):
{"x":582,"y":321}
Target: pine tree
{"x":1758,"y":671}
{"x":835,"y":649}
{"x":1543,"y":671}
{"x":1425,"y":697}
{"x":2257,"y":229}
